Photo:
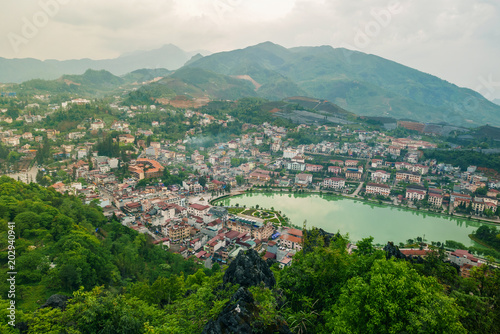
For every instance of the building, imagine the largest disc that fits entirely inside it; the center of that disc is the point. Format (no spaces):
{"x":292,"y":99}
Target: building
{"x":291,"y":239}
{"x":303,"y":179}
{"x":198,"y":209}
{"x":254,"y":228}
{"x":351,"y":163}
{"x":334,"y":169}
{"x":458,"y":199}
{"x":462,"y":257}
{"x":177,"y":232}
{"x":314,"y":168}
{"x":146,"y":169}
{"x":126,"y":138}
{"x":380,"y":176}
{"x":378,"y":189}
{"x":296,"y":166}
{"x":353,"y":175}
{"x":415,"y":194}
{"x":435,"y":199}
{"x":334,"y":183}
{"x":411,"y":177}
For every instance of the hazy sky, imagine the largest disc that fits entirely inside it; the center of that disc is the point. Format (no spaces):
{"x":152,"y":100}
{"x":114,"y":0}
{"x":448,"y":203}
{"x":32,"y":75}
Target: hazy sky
{"x":457,"y":40}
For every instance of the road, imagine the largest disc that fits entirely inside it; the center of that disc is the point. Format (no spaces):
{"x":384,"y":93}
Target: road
{"x":358,"y":189}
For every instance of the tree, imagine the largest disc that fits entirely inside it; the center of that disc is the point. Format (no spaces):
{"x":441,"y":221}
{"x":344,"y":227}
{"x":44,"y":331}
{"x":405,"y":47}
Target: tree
{"x":394,"y":298}
{"x":228,"y":187}
{"x":13,"y":112}
{"x":202,"y":180}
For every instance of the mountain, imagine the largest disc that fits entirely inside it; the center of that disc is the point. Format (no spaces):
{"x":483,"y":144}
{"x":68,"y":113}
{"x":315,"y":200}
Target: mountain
{"x":145,"y":75}
{"x":193,"y":83}
{"x":362,"y":83}
{"x":20,"y":70}
{"x":91,"y":83}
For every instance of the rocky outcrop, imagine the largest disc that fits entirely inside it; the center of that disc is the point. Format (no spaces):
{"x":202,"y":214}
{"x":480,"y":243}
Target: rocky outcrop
{"x":248,"y":269}
{"x":393,"y":251}
{"x":56,"y":301}
{"x":240,"y":315}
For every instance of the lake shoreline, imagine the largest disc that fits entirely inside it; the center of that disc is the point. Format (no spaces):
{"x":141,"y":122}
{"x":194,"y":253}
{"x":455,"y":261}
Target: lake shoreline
{"x":361,"y":199}
{"x":348,"y":217}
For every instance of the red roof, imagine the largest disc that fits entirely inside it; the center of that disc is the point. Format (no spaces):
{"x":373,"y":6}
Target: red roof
{"x":199,"y":206}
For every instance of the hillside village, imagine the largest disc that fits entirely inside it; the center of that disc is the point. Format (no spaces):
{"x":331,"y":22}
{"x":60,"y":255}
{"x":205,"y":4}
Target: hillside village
{"x":166,"y":188}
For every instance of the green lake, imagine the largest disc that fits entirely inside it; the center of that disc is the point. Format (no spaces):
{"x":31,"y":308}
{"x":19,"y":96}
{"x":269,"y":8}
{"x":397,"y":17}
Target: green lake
{"x":361,"y":219}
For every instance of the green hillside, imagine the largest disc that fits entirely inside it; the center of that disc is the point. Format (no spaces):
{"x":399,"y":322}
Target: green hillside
{"x":145,"y":74}
{"x":361,"y":83}
{"x":91,"y":83}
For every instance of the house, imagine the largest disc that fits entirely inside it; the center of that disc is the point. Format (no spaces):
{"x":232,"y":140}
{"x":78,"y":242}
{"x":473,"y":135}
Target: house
{"x":355,"y":175}
{"x":260,"y":175}
{"x":378,"y":189}
{"x":415,"y":194}
{"x":461,"y":257}
{"x":303,"y":179}
{"x":351,"y":163}
{"x":334,"y":183}
{"x":314,"y":168}
{"x":198,"y":209}
{"x":435,"y":199}
{"x":296,"y":166}
{"x":458,"y":199}
{"x":334,"y":169}
{"x":411,"y":177}
{"x":97,"y":124}
{"x":126,"y":138}
{"x":380,"y":176}
{"x":337,"y":162}
{"x":291,"y":241}
{"x":290,"y":153}
{"x":177,"y":231}
{"x":394,"y":150}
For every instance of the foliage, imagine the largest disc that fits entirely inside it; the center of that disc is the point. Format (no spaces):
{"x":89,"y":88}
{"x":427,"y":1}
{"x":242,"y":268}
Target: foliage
{"x":489,"y":235}
{"x":465,"y":158}
{"x":394,"y":298}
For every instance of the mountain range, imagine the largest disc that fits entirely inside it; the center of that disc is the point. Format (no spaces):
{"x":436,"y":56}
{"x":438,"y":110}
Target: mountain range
{"x":362,"y":83}
{"x":365,"y":84}
{"x":19,"y":70}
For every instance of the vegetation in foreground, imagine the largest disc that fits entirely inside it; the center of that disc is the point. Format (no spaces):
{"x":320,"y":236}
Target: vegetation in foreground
{"x":120,"y":283}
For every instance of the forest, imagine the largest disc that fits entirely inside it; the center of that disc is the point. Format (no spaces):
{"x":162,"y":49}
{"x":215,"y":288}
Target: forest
{"x":107,"y":278}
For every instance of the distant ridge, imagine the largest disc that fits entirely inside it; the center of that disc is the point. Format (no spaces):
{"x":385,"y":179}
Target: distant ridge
{"x":362,"y":83}
{"x":19,"y":70}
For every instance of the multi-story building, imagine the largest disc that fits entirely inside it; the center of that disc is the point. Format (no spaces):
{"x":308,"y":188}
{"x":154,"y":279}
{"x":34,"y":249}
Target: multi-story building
{"x":314,"y":168}
{"x":334,"y":169}
{"x":378,"y":189}
{"x":435,"y":199}
{"x":353,"y":175}
{"x":296,"y":166}
{"x":411,"y":177}
{"x":415,"y":194}
{"x":334,"y":183}
{"x":177,"y":232}
{"x":380,"y":176}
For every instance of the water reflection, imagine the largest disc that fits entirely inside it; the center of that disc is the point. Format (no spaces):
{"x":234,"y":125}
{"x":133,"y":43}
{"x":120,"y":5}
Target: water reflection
{"x":361,"y":219}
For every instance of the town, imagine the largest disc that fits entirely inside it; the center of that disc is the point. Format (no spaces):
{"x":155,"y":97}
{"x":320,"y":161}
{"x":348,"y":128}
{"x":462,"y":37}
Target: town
{"x":166,"y":182}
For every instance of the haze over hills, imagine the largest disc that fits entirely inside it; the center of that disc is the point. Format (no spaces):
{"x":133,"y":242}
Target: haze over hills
{"x":359,"y":82}
{"x":19,"y":70}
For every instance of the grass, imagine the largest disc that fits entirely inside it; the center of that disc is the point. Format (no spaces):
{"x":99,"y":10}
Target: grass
{"x":249,"y":212}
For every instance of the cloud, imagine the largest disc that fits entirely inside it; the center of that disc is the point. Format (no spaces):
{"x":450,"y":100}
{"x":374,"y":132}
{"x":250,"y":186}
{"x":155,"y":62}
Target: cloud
{"x":454,"y":39}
